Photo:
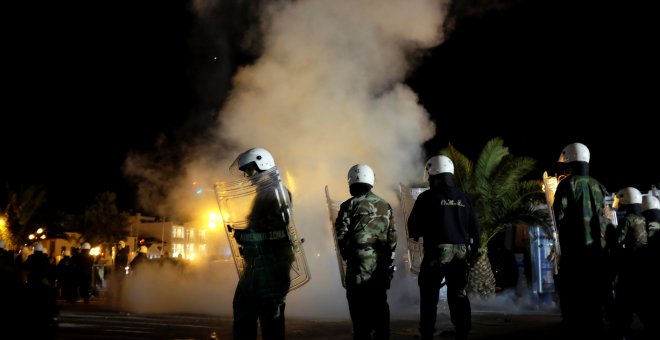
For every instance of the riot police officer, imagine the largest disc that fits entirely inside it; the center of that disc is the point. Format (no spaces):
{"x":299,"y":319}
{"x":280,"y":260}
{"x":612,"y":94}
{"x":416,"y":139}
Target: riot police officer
{"x":629,"y":259}
{"x":650,"y":313}
{"x":267,"y":253}
{"x":446,"y":220}
{"x":584,"y":279}
{"x":366,"y":238}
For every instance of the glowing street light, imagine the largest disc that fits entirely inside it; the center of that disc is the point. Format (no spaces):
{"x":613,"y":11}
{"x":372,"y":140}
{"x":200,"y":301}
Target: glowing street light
{"x":5,"y":234}
{"x":214,"y":220}
{"x":41,"y":233}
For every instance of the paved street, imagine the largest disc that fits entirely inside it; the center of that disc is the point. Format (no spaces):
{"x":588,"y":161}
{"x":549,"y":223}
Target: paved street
{"x":98,"y":321}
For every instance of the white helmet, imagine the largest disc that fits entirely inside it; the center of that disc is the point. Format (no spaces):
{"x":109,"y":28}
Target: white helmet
{"x":2,"y":244}
{"x":86,"y":246}
{"x":439,"y":164}
{"x":576,"y":152}
{"x":143,"y":249}
{"x":122,"y":244}
{"x":627,"y":195}
{"x":260,"y":156}
{"x":38,"y":247}
{"x":361,"y":173}
{"x":650,"y":202}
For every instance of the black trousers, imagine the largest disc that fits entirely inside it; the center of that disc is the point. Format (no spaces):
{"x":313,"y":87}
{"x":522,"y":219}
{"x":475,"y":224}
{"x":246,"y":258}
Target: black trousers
{"x":261,"y":293}
{"x":585,"y":296}
{"x":369,"y":310}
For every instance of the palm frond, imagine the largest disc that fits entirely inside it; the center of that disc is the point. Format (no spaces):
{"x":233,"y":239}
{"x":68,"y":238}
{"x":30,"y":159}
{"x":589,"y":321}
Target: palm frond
{"x":520,"y":215}
{"x":463,"y":167}
{"x":490,"y":159}
{"x":495,"y":185}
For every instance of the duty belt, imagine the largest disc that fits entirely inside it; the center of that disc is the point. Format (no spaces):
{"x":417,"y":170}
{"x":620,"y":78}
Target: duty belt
{"x":265,"y":236}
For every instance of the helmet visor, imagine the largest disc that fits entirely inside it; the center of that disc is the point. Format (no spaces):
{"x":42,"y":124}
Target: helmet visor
{"x":234,"y":170}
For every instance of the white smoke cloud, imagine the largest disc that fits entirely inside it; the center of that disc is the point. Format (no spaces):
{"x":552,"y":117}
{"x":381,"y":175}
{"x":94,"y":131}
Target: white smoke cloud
{"x":326,"y":93}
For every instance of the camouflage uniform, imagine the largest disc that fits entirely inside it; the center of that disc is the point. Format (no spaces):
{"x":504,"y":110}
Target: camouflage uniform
{"x":262,"y":288}
{"x":651,"y":300}
{"x":584,"y":280}
{"x":653,"y":229}
{"x":366,"y":236}
{"x":632,"y":232}
{"x":629,"y":258}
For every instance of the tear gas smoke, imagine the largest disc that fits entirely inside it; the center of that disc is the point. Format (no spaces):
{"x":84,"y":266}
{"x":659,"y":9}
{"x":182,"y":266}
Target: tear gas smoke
{"x":326,"y":93}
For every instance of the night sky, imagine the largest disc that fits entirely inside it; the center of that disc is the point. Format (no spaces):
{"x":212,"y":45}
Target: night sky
{"x":85,"y":84}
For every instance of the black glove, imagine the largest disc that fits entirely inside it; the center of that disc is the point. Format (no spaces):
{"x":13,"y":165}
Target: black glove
{"x":343,"y":248}
{"x":391,"y":270}
{"x":392,"y":267}
{"x":472,"y":257}
{"x":386,"y":277}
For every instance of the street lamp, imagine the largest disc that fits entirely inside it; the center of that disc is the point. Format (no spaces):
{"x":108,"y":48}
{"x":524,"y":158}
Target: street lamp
{"x":213,"y":220}
{"x":40,"y":234}
{"x":4,"y":232}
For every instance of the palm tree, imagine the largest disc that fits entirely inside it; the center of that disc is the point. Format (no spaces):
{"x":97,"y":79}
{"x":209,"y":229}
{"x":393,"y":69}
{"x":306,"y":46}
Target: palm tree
{"x":102,"y":222}
{"x":23,"y":206}
{"x":496,"y":185}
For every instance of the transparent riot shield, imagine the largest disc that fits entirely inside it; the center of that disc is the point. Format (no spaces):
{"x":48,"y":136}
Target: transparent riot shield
{"x":333,"y":210}
{"x":609,"y":211}
{"x":415,"y":250}
{"x":549,"y":187}
{"x":543,"y":268}
{"x":236,"y":201}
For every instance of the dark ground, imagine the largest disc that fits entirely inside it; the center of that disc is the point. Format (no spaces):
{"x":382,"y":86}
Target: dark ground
{"x":97,"y":320}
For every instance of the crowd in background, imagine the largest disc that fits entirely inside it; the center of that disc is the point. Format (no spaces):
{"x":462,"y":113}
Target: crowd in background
{"x":32,"y":282}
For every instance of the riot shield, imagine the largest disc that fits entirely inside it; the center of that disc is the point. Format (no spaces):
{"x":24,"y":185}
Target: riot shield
{"x":415,"y":250}
{"x":236,"y":200}
{"x":543,"y":267}
{"x":609,"y":211}
{"x":550,"y":186}
{"x":333,"y":210}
